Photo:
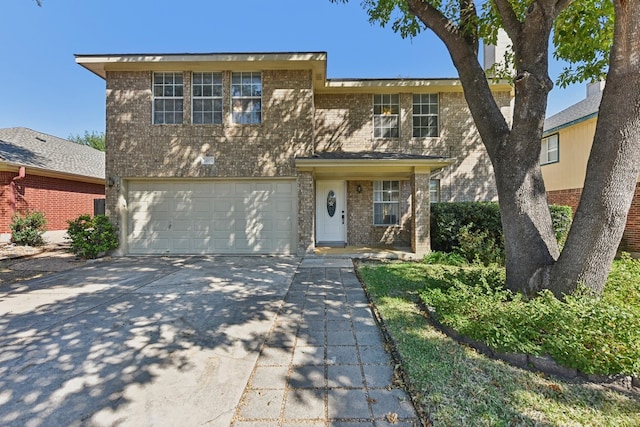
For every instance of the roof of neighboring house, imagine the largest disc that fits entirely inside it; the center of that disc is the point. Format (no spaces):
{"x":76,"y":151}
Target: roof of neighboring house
{"x":26,"y":147}
{"x":583,"y":110}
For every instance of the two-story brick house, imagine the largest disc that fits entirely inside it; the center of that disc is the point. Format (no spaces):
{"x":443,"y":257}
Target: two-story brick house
{"x":262,"y":153}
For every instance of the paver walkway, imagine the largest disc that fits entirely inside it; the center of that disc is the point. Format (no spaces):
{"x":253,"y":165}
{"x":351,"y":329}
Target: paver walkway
{"x":324,"y":362}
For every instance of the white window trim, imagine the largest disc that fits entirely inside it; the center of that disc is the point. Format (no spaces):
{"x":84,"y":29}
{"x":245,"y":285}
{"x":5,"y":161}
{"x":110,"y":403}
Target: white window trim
{"x":194,"y":97}
{"x":545,"y":150}
{"x":436,"y":182}
{"x":153,"y":103}
{"x":437,"y":115}
{"x":386,"y":202}
{"x":383,"y":104}
{"x":232,"y":98}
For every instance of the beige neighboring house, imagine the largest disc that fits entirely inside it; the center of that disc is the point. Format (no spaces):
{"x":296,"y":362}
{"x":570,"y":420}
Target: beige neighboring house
{"x":261,"y":153}
{"x":566,"y":145}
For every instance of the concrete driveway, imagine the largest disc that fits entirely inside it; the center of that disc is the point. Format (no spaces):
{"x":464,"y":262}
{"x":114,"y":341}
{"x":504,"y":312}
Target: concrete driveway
{"x":137,"y":341}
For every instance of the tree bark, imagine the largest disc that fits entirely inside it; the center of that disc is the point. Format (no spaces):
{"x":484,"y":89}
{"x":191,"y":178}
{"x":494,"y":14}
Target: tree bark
{"x":613,"y":167}
{"x":612,"y":171}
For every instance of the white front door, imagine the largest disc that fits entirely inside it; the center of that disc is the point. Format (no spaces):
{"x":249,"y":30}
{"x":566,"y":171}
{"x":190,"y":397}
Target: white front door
{"x":331,"y":212}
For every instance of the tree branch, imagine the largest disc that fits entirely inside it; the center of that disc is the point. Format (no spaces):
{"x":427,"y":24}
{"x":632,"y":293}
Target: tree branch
{"x":489,"y":120}
{"x":512,"y":25}
{"x":469,"y":23}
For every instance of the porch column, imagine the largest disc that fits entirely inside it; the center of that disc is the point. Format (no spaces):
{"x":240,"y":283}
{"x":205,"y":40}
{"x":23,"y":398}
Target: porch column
{"x":306,"y":212}
{"x":420,"y":210}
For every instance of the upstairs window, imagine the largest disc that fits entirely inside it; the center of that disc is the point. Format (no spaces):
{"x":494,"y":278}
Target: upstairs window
{"x":550,"y":150}
{"x":386,"y":202}
{"x":386,"y":116}
{"x":246,"y":98}
{"x":425,"y":115}
{"x":206,"y":91}
{"x":167,"y":98}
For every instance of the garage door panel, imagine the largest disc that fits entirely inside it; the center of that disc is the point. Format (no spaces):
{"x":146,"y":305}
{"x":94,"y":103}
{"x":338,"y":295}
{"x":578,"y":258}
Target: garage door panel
{"x":212,"y":217}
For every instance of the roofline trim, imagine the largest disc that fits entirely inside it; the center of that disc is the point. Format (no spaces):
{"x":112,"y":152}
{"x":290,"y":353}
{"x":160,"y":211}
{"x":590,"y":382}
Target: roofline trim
{"x":14,"y":167}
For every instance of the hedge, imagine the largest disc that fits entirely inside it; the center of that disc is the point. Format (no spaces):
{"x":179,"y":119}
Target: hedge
{"x":448,"y":218}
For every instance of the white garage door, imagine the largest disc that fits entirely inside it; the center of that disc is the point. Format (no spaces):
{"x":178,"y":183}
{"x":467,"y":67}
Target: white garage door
{"x":212,"y":217}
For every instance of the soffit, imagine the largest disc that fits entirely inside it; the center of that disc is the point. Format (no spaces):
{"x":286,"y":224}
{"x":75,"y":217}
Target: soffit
{"x":369,"y":166}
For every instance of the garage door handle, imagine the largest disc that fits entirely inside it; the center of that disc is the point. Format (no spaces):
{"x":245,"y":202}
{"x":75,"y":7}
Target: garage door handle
{"x":169,"y":225}
{"x":343,"y":217}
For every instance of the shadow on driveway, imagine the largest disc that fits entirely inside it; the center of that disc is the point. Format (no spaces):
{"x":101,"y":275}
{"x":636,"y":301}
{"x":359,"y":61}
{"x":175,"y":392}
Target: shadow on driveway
{"x":136,"y":341}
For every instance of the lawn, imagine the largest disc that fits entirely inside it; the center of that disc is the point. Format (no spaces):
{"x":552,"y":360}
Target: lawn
{"x":453,"y":385}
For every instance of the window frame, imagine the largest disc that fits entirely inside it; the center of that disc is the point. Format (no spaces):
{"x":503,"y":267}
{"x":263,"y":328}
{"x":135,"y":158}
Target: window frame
{"x":545,"y":151}
{"x":242,"y":97}
{"x":175,"y":113}
{"x":434,"y":187}
{"x":380,"y":103}
{"x":421,"y":114}
{"x":217,"y":82}
{"x":390,"y":188}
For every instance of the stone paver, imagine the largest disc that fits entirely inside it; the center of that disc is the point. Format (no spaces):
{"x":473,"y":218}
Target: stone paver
{"x":338,"y":372}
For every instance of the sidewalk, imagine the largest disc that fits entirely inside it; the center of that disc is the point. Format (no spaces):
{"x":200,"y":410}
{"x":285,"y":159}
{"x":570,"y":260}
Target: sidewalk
{"x":324,"y":362}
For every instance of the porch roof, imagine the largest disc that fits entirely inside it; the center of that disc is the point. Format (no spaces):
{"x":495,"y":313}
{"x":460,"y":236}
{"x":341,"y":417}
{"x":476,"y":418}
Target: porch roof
{"x":372,"y":165}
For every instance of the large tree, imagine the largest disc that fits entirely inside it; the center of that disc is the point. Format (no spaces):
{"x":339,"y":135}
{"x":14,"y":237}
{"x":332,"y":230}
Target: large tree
{"x":582,"y":35}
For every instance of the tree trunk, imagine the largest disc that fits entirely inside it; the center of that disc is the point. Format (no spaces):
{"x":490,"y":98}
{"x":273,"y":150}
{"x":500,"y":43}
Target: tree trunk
{"x":612,"y":171}
{"x":530,"y":245}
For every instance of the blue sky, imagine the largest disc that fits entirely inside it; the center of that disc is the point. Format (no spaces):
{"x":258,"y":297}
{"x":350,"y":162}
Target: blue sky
{"x":45,"y":90}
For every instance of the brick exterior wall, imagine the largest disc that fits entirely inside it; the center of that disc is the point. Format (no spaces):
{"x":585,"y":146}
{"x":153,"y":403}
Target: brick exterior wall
{"x":631,"y":237}
{"x":344,"y":122}
{"x":295,"y":122}
{"x":60,"y":199}
{"x":136,"y":148}
{"x":360,"y":228}
{"x":306,"y":213}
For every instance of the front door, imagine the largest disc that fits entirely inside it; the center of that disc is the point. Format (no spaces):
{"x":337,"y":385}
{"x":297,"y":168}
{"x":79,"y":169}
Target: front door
{"x":331,"y":213}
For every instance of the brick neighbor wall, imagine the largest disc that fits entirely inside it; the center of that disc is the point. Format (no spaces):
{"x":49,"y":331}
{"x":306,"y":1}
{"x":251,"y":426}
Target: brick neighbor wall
{"x":60,"y":199}
{"x":630,"y":238}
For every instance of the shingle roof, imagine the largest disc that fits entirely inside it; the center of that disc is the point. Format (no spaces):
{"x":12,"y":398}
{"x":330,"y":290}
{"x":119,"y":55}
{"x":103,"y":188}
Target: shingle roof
{"x":27,"y":147}
{"x":582,"y":110}
{"x":374,"y":155}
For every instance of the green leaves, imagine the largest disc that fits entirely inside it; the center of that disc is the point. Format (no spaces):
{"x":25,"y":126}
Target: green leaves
{"x":583,"y":35}
{"x":27,"y":229}
{"x":92,"y":236}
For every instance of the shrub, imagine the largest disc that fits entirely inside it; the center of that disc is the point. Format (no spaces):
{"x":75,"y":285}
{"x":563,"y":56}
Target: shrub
{"x":448,"y":219}
{"x":561,"y":216}
{"x":27,"y":230}
{"x":445,"y":258}
{"x":91,"y":237}
{"x":596,"y":336}
{"x":479,"y":247}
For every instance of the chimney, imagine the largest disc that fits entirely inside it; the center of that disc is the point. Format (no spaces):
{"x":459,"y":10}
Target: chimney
{"x":594,"y":88}
{"x":495,"y":54}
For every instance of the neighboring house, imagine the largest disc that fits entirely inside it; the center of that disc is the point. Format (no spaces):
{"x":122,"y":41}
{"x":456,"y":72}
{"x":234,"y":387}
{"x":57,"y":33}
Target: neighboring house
{"x":262,"y":153}
{"x":566,"y":145}
{"x":40,"y":172}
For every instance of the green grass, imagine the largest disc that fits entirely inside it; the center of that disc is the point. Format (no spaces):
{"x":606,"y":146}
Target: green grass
{"x":455,"y":386}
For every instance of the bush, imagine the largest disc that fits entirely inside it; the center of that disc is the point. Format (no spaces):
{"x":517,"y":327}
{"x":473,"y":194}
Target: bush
{"x":448,"y":218}
{"x":445,"y":258}
{"x":469,"y":220}
{"x":596,"y":336}
{"x":91,"y":237}
{"x":562,"y":217}
{"x":27,"y":230}
{"x":479,"y":247}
